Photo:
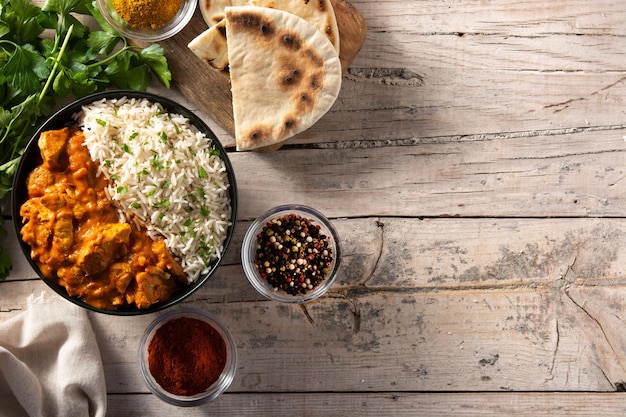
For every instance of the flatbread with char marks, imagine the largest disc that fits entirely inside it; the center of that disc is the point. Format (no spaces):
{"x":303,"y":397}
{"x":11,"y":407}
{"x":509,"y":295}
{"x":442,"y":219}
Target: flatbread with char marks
{"x":285,"y":74}
{"x":211,"y":45}
{"x":320,"y":13}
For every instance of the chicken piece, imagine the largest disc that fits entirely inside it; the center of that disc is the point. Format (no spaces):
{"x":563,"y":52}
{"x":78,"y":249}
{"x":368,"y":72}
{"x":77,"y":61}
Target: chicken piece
{"x":78,"y":153}
{"x":63,"y":234}
{"x":81,"y":211}
{"x":54,"y":200}
{"x":106,"y":290}
{"x":52,"y":145}
{"x":84,"y":170}
{"x":101,"y":248}
{"x":38,"y":180}
{"x":153,"y":285}
{"x":34,"y":210}
{"x":166,"y":261}
{"x":121,"y":275}
{"x":73,"y":280}
{"x":38,"y":223}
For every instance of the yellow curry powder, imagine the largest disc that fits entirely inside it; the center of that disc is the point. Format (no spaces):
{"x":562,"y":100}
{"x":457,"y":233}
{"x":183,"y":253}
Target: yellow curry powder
{"x":147,"y":13}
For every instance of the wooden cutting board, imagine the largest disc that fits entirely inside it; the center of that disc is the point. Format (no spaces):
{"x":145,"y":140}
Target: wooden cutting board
{"x":210,"y":90}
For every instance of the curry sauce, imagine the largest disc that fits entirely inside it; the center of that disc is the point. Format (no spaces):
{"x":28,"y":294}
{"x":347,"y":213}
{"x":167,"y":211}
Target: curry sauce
{"x":77,"y":239}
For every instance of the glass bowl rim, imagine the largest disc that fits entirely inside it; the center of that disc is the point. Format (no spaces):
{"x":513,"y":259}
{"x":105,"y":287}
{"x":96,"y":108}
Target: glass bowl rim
{"x":170,"y":29}
{"x":247,"y":257}
{"x":218,"y":387}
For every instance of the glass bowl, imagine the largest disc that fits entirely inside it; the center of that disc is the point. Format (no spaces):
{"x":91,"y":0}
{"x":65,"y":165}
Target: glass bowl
{"x":32,"y":158}
{"x":293,"y":278}
{"x":171,"y":318}
{"x":148,"y":34}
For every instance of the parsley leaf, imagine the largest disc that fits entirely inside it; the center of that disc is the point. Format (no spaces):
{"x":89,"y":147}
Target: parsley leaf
{"x":103,"y":42}
{"x":153,"y":56}
{"x":25,"y":69}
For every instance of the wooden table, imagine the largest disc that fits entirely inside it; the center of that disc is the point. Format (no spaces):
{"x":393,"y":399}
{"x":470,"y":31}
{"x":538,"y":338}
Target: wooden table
{"x":474,"y":167}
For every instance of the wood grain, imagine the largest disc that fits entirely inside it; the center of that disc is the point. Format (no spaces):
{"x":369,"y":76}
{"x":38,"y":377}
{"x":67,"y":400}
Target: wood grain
{"x":576,"y":174}
{"x":474,"y":167}
{"x":393,"y":404}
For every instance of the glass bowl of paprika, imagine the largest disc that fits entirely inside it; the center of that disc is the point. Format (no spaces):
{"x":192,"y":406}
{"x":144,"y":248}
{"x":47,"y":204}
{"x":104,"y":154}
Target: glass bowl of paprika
{"x":291,"y":254}
{"x":147,"y":20}
{"x":187,"y":357}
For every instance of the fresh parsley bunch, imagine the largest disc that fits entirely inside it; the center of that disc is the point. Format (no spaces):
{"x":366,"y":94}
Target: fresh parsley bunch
{"x":49,"y":52}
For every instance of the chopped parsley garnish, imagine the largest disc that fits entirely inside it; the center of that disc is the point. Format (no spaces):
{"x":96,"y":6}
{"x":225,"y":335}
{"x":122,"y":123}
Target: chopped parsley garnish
{"x":155,"y":163}
{"x":162,"y":203}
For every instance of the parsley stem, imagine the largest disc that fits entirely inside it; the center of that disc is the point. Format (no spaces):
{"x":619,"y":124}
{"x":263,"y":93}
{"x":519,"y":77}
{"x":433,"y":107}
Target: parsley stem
{"x":113,"y":56}
{"x":56,"y":63}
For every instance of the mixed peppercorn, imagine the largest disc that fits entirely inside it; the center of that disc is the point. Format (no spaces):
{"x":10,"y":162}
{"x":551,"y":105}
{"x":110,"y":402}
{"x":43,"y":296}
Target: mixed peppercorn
{"x":293,"y":254}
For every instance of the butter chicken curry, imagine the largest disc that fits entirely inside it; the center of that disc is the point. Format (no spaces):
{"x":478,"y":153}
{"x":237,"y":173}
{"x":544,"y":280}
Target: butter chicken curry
{"x":76,"y":237}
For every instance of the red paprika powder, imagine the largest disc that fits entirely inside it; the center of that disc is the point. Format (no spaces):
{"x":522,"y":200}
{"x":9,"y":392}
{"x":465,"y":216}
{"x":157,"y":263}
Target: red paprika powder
{"x":186,"y":355}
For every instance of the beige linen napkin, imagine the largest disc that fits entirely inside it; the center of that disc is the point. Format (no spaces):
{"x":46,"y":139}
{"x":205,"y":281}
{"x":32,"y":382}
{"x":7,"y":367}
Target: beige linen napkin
{"x":50,"y":362}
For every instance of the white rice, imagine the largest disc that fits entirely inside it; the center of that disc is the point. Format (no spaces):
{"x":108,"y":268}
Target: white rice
{"x":165,"y":176}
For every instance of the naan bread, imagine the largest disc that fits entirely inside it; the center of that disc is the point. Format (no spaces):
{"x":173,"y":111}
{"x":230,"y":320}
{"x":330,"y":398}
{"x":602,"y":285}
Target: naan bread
{"x":211,"y":46}
{"x":320,"y":13}
{"x":285,"y":74}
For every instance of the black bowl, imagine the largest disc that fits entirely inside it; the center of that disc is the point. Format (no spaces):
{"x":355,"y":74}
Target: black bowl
{"x":31,"y":159}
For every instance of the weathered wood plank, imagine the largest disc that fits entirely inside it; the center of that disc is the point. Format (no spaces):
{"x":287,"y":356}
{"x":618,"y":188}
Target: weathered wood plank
{"x":577,"y":174}
{"x":470,"y":102}
{"x":493,"y":253}
{"x":496,"y":17}
{"x":394,"y":404}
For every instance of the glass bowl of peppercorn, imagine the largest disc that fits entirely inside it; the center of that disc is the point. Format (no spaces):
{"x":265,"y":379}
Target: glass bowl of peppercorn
{"x":147,"y":20}
{"x":291,"y":254}
{"x":187,"y":357}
